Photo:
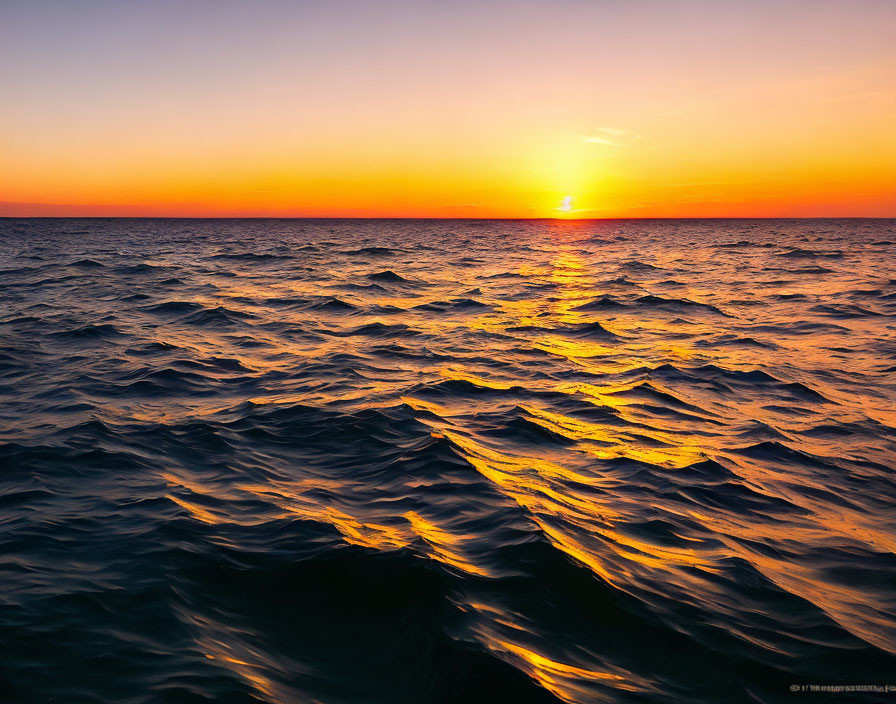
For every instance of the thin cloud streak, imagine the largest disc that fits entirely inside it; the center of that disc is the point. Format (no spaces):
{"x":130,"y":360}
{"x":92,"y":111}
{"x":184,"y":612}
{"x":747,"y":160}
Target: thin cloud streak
{"x":601,"y":140}
{"x":607,"y":135}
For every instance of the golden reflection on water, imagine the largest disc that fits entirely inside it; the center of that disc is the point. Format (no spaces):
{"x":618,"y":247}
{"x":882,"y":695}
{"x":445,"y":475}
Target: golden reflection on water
{"x":231,"y":648}
{"x":199,"y":513}
{"x":559,"y":678}
{"x":573,"y":493}
{"x":444,"y":545}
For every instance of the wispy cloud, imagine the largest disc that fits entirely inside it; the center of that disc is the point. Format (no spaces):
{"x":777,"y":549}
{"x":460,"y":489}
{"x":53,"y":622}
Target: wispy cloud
{"x":606,"y":135}
{"x":601,"y":140}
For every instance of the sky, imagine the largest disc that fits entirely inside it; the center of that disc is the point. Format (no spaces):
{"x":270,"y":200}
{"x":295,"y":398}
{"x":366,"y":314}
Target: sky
{"x":448,"y":108}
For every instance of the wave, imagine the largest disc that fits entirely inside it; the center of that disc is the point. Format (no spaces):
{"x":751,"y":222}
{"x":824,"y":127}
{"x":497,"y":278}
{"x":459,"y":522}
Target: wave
{"x":845,"y":311}
{"x":88,"y":264}
{"x":389,"y":276}
{"x":370,"y":252}
{"x":649,"y":301}
{"x":103,"y":330}
{"x":461,"y":304}
{"x":217,"y":315}
{"x":252,"y":257}
{"x":376,"y":329}
{"x":174,"y":307}
{"x":590,"y":329}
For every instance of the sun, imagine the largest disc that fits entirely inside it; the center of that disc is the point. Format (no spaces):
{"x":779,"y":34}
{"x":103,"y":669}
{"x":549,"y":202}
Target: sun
{"x":566,"y":205}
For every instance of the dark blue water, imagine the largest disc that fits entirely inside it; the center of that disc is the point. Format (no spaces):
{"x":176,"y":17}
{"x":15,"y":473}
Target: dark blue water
{"x":446,"y":461}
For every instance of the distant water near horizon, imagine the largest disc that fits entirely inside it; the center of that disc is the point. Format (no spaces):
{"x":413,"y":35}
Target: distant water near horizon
{"x":412,"y":461}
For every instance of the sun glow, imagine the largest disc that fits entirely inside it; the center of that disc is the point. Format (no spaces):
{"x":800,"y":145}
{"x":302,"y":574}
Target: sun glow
{"x":784,"y":129}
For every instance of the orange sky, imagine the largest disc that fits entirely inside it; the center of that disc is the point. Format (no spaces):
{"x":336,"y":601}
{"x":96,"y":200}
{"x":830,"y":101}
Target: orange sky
{"x":384,"y":108}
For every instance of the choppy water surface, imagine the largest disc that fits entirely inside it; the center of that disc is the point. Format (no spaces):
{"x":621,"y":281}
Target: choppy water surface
{"x":459,"y":461}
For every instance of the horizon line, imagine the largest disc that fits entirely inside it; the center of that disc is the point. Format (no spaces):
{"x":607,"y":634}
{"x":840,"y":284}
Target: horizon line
{"x":436,"y":217}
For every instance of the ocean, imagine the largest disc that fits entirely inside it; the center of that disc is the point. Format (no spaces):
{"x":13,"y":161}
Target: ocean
{"x":389,"y":461}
